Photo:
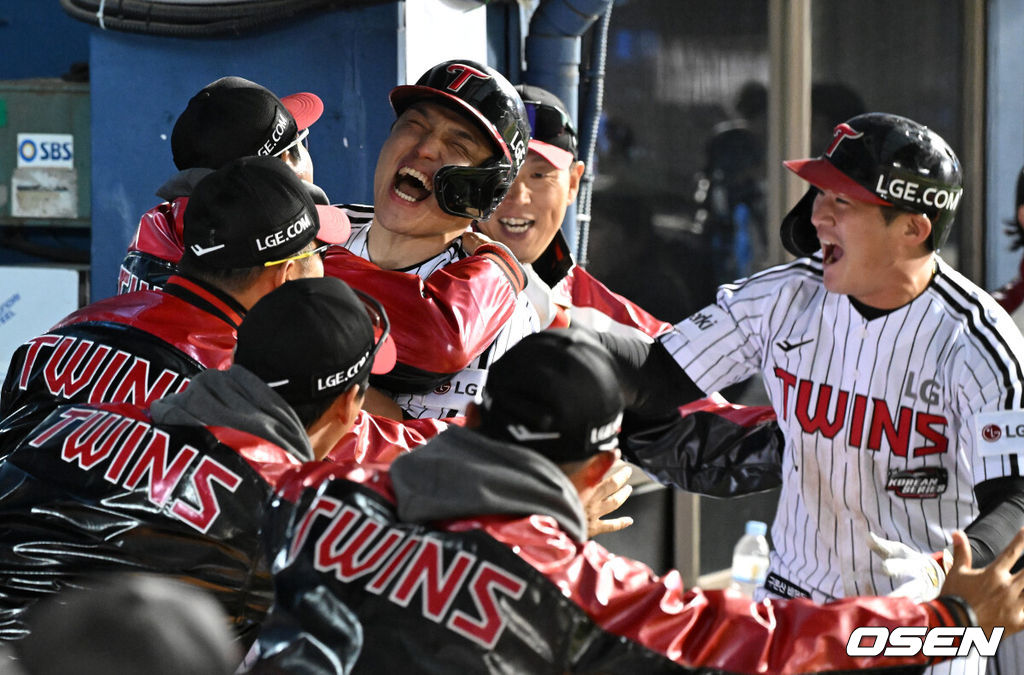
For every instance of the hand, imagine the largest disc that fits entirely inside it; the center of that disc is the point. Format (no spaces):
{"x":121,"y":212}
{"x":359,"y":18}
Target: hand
{"x":920,"y":573}
{"x":992,"y":592}
{"x":471,"y":241}
{"x":606,"y":496}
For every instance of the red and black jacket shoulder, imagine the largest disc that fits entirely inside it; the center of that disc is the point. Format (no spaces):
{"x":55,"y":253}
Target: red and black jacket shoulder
{"x":156,"y":248}
{"x":134,"y":496}
{"x":440,"y":323}
{"x":131,"y":348}
{"x":459,"y":600}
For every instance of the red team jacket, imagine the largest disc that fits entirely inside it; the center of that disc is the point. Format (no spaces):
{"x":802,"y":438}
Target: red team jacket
{"x":439,"y":324}
{"x":503,"y":594}
{"x":131,"y":348}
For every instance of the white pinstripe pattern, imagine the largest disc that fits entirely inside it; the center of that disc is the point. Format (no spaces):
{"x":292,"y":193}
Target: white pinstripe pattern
{"x":523,"y":322}
{"x":930,"y":367}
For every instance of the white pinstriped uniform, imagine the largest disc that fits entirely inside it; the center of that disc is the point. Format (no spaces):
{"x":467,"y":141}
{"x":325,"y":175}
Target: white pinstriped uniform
{"x":882,"y":417}
{"x":465,"y":386}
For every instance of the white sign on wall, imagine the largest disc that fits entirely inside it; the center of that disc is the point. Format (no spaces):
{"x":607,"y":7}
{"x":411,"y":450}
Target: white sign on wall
{"x":53,"y":151}
{"x":31,"y":301}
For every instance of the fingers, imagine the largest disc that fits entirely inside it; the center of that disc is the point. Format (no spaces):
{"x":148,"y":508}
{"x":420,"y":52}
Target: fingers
{"x":961,"y":551}
{"x":596,"y":526}
{"x":614,"y":481}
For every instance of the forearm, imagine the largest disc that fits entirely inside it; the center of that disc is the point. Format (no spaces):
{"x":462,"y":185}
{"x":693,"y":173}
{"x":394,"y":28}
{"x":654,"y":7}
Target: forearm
{"x":1001,"y":502}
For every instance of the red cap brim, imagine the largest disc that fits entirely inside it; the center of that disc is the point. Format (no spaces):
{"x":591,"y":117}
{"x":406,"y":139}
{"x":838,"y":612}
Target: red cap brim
{"x":335,"y":227}
{"x":387,"y":355}
{"x":822,"y":174}
{"x":556,"y":157}
{"x":305,"y":107}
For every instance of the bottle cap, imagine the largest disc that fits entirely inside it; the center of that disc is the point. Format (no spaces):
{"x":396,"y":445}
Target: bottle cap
{"x":756,"y":528}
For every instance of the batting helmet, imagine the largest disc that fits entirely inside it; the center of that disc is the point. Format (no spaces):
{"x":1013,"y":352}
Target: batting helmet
{"x":484,"y":96}
{"x":880,"y":159}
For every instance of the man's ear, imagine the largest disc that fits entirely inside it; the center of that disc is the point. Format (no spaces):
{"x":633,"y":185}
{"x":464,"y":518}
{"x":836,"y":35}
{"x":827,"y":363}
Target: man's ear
{"x":917,"y":227}
{"x":575,"y":174}
{"x":593,"y":470}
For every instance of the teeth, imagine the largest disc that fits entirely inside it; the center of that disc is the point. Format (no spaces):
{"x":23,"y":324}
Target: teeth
{"x":418,"y":175}
{"x":404,"y":196}
{"x":516,"y":225}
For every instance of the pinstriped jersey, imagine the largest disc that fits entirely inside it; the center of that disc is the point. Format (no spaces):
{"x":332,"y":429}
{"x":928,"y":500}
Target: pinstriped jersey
{"x":889,"y":422}
{"x":451,"y":398}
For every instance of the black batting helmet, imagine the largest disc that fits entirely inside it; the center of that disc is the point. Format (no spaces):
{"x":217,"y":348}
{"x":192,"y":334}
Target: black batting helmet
{"x":483,"y":95}
{"x":880,"y":159}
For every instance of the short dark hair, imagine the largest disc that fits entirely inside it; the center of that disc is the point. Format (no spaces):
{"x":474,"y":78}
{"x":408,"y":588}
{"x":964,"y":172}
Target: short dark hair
{"x":230,"y":281}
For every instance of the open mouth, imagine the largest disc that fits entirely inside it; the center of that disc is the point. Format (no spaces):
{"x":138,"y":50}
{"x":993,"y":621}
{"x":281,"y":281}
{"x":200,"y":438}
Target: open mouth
{"x":830,"y":253}
{"x":516,"y":225}
{"x":412,"y":185}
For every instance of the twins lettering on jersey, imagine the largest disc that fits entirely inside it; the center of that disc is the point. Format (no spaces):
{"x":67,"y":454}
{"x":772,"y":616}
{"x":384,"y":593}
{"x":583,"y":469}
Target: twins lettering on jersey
{"x":356,"y":547}
{"x":71,"y":366}
{"x":128,"y":451}
{"x":864,"y":421}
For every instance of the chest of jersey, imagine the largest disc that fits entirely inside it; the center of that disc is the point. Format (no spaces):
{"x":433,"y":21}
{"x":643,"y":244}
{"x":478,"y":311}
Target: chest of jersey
{"x":872,"y":386}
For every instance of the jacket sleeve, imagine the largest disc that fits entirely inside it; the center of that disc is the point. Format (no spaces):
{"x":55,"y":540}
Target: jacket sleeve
{"x":594,"y":305}
{"x":155,"y":250}
{"x":719,"y":629}
{"x":441,"y":323}
{"x":712,"y":448}
{"x":381,"y":440}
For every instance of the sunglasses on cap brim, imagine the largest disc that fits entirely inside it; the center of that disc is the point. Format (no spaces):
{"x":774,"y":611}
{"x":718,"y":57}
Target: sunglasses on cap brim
{"x":547,"y":122}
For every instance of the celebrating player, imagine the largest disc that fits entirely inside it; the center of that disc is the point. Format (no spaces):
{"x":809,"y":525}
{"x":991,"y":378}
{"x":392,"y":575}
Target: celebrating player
{"x":529,"y":222}
{"x":180,"y":488}
{"x":454,"y":150}
{"x":138,"y":347}
{"x":898,"y":382}
{"x":493,"y":571}
{"x":227,"y":119}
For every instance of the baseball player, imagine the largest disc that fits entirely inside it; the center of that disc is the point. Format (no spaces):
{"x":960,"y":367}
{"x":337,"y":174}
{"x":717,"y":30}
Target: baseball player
{"x":138,"y":347}
{"x":458,"y":141}
{"x":1011,"y":295}
{"x":529,"y":222}
{"x":898,"y":383}
{"x":494,"y":572}
{"x":227,"y":119}
{"x":179,"y":488}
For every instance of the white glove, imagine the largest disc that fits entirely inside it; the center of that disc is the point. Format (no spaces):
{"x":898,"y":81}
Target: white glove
{"x":918,"y":575}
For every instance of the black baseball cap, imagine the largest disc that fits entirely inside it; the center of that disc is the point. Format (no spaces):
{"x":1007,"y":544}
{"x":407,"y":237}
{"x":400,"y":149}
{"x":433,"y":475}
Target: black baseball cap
{"x":234,"y":117}
{"x":252,"y":211}
{"x":557,"y":392}
{"x":553,"y":134}
{"x":311,"y":339}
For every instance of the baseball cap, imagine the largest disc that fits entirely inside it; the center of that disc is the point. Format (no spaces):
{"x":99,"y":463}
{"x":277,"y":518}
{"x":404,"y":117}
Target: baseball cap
{"x":252,"y":211}
{"x":553,"y":134}
{"x":128,"y":623}
{"x":556,"y":392}
{"x":313,"y":338}
{"x":234,"y":117}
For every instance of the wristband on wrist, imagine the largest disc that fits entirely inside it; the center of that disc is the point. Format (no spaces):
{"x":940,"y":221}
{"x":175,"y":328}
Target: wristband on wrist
{"x":960,"y":609}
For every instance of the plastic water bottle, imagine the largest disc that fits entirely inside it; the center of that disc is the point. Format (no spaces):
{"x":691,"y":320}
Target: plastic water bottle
{"x":750,"y":558}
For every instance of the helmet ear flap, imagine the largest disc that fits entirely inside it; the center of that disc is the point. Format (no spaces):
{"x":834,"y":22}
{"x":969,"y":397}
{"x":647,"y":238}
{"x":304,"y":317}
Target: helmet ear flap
{"x":472,"y":191}
{"x":798,"y":234}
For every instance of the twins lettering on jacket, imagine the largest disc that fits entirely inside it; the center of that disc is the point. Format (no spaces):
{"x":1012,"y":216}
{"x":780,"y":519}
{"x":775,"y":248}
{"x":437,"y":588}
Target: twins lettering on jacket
{"x":866,"y":422}
{"x":130,"y":452}
{"x":386,"y":560}
{"x":78,"y":369}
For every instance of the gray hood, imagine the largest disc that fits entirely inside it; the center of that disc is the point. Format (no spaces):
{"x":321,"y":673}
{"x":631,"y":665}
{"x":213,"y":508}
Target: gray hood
{"x":462,"y":473}
{"x":237,"y":399}
{"x":181,"y":184}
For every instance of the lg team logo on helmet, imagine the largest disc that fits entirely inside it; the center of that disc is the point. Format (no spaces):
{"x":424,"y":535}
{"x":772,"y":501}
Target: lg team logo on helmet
{"x":912,"y":192}
{"x":841,"y":132}
{"x":465,"y":73}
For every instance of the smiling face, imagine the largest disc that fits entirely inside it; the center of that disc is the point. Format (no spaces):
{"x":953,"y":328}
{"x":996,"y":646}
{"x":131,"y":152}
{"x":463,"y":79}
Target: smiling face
{"x":425,"y":137}
{"x":879,"y":263}
{"x":530,"y":215}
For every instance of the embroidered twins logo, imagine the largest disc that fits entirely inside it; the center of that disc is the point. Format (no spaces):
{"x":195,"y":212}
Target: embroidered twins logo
{"x":465,"y":72}
{"x":841,"y":132}
{"x":822,"y":410}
